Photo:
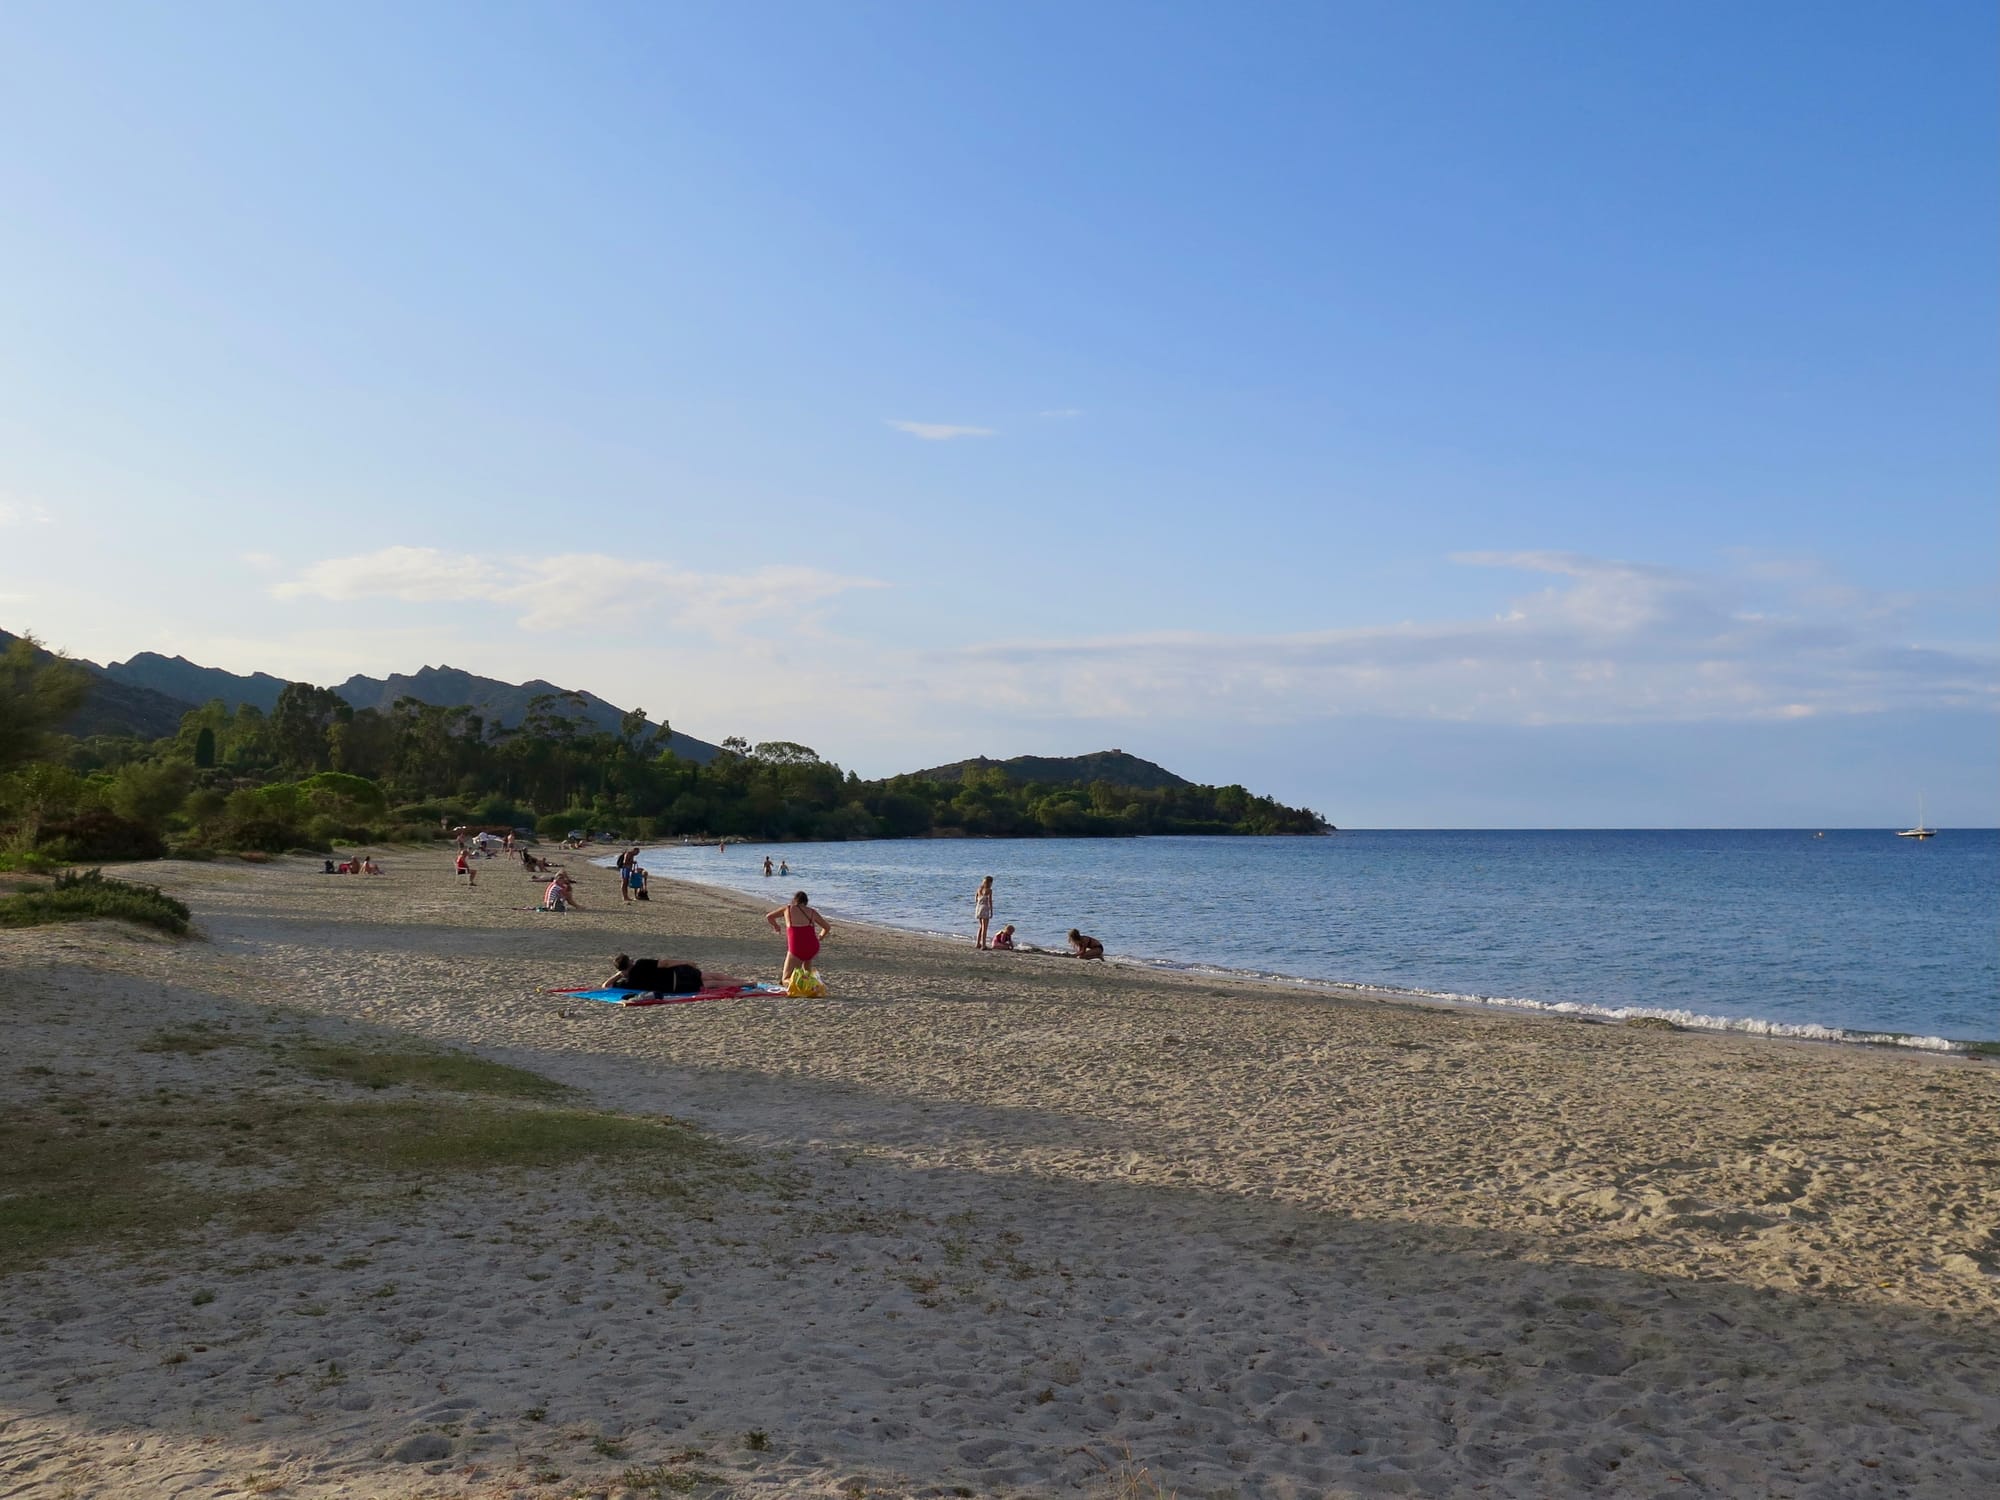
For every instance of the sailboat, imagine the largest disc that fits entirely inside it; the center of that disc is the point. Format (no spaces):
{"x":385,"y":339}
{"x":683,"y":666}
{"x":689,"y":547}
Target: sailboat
{"x":1919,"y":832}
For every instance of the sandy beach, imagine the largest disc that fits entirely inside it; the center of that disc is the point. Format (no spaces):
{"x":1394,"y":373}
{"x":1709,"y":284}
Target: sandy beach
{"x":975,"y":1224}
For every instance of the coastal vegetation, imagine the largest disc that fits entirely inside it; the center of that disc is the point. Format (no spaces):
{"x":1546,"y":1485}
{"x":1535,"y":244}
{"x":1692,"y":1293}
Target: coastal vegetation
{"x":80,"y":1171}
{"x":315,"y":770}
{"x":88,"y":896}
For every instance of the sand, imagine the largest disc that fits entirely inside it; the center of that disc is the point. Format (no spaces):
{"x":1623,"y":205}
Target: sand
{"x":996,"y":1224}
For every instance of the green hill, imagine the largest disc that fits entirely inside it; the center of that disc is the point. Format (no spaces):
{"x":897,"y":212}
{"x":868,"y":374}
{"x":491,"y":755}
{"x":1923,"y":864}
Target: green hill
{"x":1113,"y":766}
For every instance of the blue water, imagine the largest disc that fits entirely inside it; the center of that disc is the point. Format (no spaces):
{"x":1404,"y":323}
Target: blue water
{"x":1857,"y":932}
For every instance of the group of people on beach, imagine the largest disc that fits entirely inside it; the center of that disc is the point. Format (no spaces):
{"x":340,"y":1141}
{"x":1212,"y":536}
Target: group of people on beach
{"x":1081,"y":945}
{"x":801,"y":926}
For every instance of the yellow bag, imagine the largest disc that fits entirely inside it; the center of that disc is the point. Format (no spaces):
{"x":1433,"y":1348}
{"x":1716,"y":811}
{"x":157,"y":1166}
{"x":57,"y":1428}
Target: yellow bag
{"x":805,"y":984}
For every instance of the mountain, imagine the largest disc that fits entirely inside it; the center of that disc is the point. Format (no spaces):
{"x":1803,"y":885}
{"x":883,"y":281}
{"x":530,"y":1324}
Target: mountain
{"x":502,"y":703}
{"x":1114,"y":766}
{"x":115,"y":707}
{"x":180,"y":678}
{"x":147,"y":694}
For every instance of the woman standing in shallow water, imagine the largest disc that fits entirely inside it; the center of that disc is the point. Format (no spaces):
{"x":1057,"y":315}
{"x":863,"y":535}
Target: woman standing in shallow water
{"x":803,"y":928}
{"x":982,"y":908}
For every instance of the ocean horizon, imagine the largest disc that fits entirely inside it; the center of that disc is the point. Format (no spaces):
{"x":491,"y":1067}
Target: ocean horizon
{"x":1827,"y":934}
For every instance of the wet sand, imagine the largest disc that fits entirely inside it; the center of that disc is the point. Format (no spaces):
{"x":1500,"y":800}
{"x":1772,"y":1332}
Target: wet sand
{"x":1003,"y":1225}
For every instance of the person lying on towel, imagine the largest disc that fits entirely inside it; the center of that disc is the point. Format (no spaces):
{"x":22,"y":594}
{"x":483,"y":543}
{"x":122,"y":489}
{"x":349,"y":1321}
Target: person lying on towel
{"x":654,"y":977}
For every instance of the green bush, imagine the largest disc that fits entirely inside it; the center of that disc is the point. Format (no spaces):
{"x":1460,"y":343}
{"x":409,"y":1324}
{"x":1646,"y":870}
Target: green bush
{"x":501,"y":812}
{"x":326,"y":830}
{"x":428,"y":812}
{"x":100,"y":834}
{"x":74,"y":897}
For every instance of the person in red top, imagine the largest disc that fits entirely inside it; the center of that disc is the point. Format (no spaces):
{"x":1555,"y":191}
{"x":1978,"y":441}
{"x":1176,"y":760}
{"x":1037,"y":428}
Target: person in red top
{"x":803,"y":928}
{"x":464,"y":868}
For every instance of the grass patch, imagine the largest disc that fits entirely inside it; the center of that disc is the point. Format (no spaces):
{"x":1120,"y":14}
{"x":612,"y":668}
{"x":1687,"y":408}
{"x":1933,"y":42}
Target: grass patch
{"x":665,"y":1479}
{"x":196,"y":1040}
{"x":417,"y":1069}
{"x":85,"y":897}
{"x":120,"y":1180}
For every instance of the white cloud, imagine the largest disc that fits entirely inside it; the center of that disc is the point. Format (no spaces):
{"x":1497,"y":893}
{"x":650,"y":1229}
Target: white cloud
{"x":940,"y":432}
{"x":1614,"y":642}
{"x":578,"y":588}
{"x":22,"y":513}
{"x":1062,"y":413}
{"x":412,"y":574}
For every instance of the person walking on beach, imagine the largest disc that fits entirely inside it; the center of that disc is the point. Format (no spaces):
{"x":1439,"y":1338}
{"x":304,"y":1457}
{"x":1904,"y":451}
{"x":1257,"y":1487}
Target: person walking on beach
{"x":803,"y":928}
{"x":464,"y":867}
{"x":982,"y":909}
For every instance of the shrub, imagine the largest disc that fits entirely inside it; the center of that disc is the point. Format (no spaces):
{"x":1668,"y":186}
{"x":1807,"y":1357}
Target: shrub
{"x":500,"y":812}
{"x":100,"y":834}
{"x":74,"y":897}
{"x":146,"y":792}
{"x":325,"y":829}
{"x":266,"y":835}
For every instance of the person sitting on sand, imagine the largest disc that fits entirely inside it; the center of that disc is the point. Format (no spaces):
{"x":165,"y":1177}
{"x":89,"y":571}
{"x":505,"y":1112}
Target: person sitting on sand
{"x":1003,"y":940}
{"x":803,"y":928}
{"x":1084,"y":946}
{"x":636,"y":882}
{"x":368,"y":865}
{"x":464,"y":867}
{"x":561,"y":894}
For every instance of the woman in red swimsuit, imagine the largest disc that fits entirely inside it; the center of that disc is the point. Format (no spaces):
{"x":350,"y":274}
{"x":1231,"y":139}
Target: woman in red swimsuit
{"x":803,"y":928}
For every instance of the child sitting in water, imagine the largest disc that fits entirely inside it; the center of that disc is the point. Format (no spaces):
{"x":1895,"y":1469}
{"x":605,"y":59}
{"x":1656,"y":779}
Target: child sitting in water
{"x":1085,"y":947}
{"x":1003,"y":940}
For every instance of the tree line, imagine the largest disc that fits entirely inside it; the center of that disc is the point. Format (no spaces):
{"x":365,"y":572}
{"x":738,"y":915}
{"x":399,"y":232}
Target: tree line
{"x":316,"y":770}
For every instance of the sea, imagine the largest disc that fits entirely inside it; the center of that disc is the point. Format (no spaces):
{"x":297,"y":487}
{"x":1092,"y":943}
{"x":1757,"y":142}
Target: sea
{"x":1840,"y":935}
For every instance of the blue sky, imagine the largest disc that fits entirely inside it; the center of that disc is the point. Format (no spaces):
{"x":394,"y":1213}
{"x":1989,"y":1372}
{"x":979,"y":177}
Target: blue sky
{"x":1444,"y":415}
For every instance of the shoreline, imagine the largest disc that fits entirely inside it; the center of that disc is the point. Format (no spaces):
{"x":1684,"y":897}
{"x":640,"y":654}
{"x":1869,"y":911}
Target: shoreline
{"x":1675,"y":1018}
{"x":1017,"y":1229}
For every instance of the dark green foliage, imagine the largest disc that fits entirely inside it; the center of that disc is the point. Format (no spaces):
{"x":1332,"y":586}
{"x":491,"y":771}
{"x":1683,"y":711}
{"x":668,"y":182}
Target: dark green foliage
{"x":100,"y":834}
{"x":1114,"y":766}
{"x":316,"y":771}
{"x":300,"y":723}
{"x":84,"y":897}
{"x":146,"y":791}
{"x":37,"y":692}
